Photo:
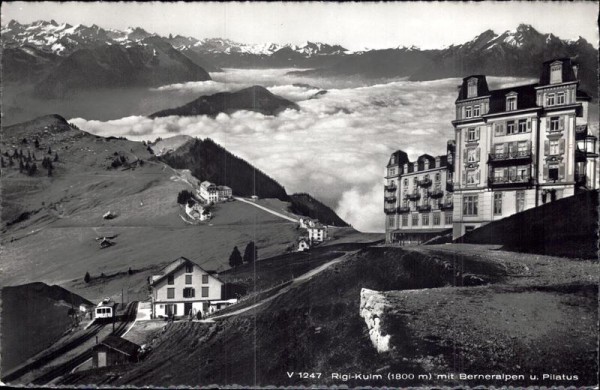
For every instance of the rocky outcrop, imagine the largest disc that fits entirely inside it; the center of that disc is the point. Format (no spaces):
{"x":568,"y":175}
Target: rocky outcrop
{"x":372,"y":304}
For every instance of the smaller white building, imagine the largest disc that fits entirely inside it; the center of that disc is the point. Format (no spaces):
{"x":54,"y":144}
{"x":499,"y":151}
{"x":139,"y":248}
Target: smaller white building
{"x":303,"y":245}
{"x":317,"y":233}
{"x":196,"y":211}
{"x":221,"y":304}
{"x":306,"y":222}
{"x":211,"y":192}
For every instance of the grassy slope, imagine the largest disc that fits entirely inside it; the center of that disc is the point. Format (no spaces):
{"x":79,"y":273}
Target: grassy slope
{"x":316,"y":326}
{"x":57,"y":244}
{"x":33,"y":317}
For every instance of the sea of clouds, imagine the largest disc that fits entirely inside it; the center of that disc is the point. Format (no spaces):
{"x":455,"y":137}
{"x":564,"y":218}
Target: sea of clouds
{"x":335,"y":147}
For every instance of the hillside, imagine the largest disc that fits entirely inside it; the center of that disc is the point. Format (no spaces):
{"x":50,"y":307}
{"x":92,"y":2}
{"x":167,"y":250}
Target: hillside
{"x":210,"y":161}
{"x":51,"y":224}
{"x":151,"y":63}
{"x":34,"y":315}
{"x":254,"y":98}
{"x":304,"y":204}
{"x":316,"y":325}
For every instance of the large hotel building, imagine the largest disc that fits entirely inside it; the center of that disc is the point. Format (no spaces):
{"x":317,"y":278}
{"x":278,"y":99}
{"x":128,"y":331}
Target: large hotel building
{"x":514,"y":148}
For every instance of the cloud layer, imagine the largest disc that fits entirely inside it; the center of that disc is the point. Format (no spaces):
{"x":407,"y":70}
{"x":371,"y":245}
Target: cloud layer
{"x":335,"y":147}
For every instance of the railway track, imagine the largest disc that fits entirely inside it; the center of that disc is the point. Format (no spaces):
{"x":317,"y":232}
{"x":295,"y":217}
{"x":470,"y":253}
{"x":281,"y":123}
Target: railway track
{"x":68,"y":366}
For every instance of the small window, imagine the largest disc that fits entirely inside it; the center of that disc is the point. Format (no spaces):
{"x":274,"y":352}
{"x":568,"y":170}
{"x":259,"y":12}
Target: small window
{"x":472,"y":177}
{"x":405,"y":182}
{"x":391,"y":221}
{"x":522,"y":125}
{"x":448,"y":218}
{"x":520,"y":195}
{"x":472,"y":155}
{"x":550,"y":99}
{"x":511,"y":127}
{"x":171,"y":279}
{"x":471,"y":134}
{"x":553,"y":172}
{"x":476,"y":111}
{"x":554,"y":147}
{"x":415,"y":219}
{"x":560,"y":98}
{"x":392,"y":171}
{"x":188,"y":279}
{"x":498,"y":203}
{"x":468,"y":113}
{"x":425,"y":219}
{"x":204,"y":279}
{"x":438,"y":176}
{"x":470,"y":203}
{"x":170,"y":293}
{"x":554,"y":123}
{"x":189,"y":268}
{"x":404,"y":219}
{"x":511,"y":103}
{"x":436,"y":219}
{"x":189,"y":292}
{"x":556,"y":73}
{"x":472,"y":88}
{"x":204,"y":292}
{"x":499,"y":129}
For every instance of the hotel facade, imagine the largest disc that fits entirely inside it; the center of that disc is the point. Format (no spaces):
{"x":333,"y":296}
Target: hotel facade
{"x":518,"y":147}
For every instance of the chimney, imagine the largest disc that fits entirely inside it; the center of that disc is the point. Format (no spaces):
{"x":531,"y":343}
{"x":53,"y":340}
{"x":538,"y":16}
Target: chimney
{"x":575,"y":69}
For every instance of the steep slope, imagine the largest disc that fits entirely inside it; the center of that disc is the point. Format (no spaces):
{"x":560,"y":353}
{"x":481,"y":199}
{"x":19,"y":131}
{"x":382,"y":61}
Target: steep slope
{"x":254,"y":98}
{"x":152,"y":63}
{"x":209,"y":161}
{"x":34,"y":315}
{"x":304,"y":204}
{"x":26,"y":64}
{"x":51,"y":225}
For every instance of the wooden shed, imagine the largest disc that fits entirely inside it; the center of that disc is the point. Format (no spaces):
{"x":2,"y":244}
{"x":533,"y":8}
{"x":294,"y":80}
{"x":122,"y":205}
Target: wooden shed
{"x":113,"y":351}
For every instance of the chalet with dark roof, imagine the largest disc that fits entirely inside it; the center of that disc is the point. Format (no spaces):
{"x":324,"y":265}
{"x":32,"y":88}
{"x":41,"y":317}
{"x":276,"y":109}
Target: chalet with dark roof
{"x":114,"y":350}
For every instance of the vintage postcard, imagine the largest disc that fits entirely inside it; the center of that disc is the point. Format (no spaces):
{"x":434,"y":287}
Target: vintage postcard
{"x":299,"y":194}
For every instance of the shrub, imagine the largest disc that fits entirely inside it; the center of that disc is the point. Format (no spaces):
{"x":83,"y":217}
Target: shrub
{"x":184,"y":196}
{"x":87,"y":277}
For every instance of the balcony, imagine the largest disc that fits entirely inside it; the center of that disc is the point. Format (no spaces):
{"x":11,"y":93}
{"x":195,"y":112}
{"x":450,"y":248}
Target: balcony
{"x":389,"y":210}
{"x":436,"y":193}
{"x":403,"y":209}
{"x":426,"y":182}
{"x":413,"y":196}
{"x":448,"y":205}
{"x":523,"y":155}
{"x":517,"y":181}
{"x":390,"y":199}
{"x":424,"y":208}
{"x":391,"y":188}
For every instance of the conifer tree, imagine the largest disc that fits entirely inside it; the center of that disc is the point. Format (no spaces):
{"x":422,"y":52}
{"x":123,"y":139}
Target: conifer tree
{"x":235,"y":259}
{"x":250,"y":253}
{"x":55,"y":156}
{"x":87,"y":277}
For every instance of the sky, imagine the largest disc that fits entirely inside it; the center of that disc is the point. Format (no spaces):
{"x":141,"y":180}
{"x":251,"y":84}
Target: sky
{"x":355,"y":26}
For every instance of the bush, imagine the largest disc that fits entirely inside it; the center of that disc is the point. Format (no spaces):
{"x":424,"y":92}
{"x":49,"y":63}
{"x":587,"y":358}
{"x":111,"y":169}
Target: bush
{"x":87,"y":277}
{"x":184,"y":196}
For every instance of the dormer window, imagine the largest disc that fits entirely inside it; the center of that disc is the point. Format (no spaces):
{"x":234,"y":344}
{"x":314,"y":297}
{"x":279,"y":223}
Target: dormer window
{"x":560,"y":98}
{"x":556,"y":73}
{"x":550,"y":99}
{"x":393,"y":159}
{"x":468,"y":112}
{"x":511,"y":102}
{"x":476,"y":111}
{"x":472,"y":88}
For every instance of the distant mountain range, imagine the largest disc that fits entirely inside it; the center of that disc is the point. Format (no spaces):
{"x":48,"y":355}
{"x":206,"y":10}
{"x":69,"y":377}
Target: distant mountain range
{"x":255,"y":98}
{"x":35,"y":50}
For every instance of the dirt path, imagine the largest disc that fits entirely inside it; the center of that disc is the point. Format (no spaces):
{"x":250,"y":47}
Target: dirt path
{"x":267,"y":209}
{"x":295,"y":282}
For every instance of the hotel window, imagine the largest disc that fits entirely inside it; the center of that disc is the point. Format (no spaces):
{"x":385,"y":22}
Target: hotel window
{"x":391,"y":221}
{"x":468,"y":113}
{"x":472,"y":134}
{"x":560,"y":98}
{"x":511,"y":127}
{"x":499,"y":174}
{"x":189,"y":292}
{"x":499,"y":149}
{"x":470,"y":205}
{"x":555,"y":123}
{"x":554,"y":147}
{"x":170,"y":279}
{"x":425,"y":219}
{"x":553,"y":172}
{"x":556,"y":74}
{"x":204,"y":292}
{"x":204,"y":279}
{"x":448,"y":218}
{"x":498,"y":203}
{"x":392,"y":171}
{"x":472,"y":88}
{"x":189,"y":268}
{"x":393,"y":160}
{"x":499,"y":129}
{"x":550,"y":99}
{"x":170,"y":293}
{"x":436,"y":219}
{"x":188,"y":279}
{"x":437,"y":176}
{"x":476,"y":111}
{"x":472,"y":177}
{"x":405,"y":182}
{"x":415,"y":219}
{"x":511,"y":103}
{"x":522,"y":125}
{"x":520,"y":195}
{"x":472,"y":154}
{"x":405,"y":220}
{"x":523,"y":172}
